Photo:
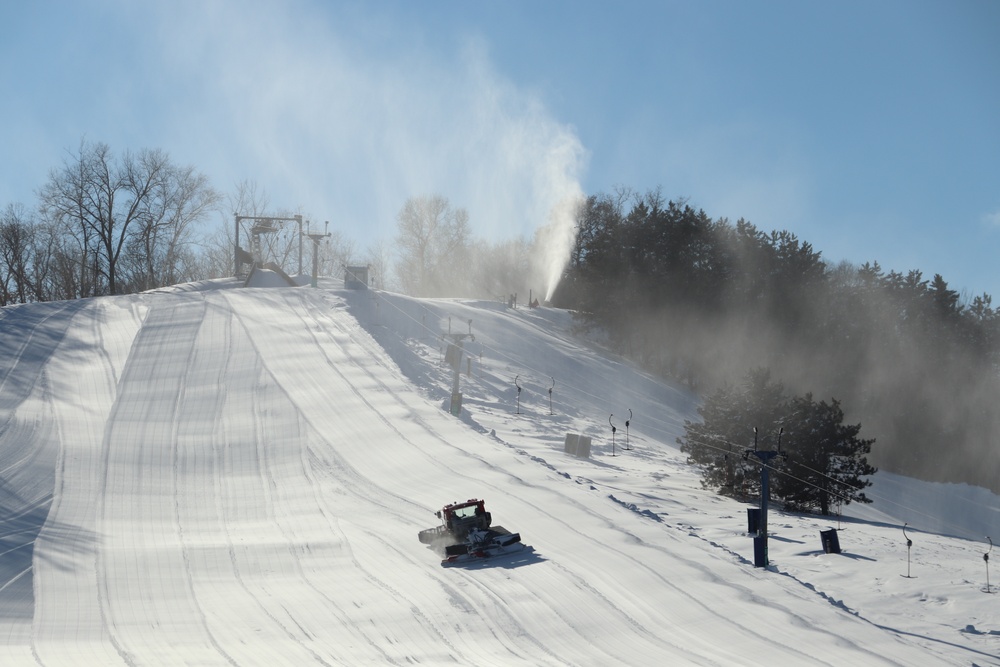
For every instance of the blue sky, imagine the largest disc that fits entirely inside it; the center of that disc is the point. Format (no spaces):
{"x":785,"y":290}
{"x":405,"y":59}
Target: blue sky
{"x":869,"y":129}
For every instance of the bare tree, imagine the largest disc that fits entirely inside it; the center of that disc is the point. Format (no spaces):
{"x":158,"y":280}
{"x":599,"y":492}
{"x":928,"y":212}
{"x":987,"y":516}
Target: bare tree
{"x":499,"y":269}
{"x":164,"y":236}
{"x":379,"y":258}
{"x":216,"y":258}
{"x":139,"y":202}
{"x":433,"y":241}
{"x":16,"y":239}
{"x":335,"y":252}
{"x":45,"y":245}
{"x":67,"y":202}
{"x":249,"y":199}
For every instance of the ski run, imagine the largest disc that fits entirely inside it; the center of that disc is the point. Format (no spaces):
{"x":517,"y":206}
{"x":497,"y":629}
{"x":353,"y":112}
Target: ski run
{"x":215,"y":474}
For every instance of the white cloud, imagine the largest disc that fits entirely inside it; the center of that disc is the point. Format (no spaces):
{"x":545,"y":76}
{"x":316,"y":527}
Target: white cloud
{"x":992,"y":219}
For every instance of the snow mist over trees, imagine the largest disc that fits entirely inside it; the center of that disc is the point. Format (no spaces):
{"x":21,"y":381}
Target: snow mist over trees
{"x":705,"y":300}
{"x":437,"y":255}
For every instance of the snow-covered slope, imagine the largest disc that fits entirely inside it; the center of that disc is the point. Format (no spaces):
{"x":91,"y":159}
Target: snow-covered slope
{"x":237,"y":476}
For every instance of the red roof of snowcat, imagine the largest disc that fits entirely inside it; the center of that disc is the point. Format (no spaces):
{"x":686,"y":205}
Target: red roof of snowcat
{"x":448,"y":509}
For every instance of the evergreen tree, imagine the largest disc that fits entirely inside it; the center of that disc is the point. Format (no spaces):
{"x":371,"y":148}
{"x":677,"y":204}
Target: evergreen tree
{"x":826,"y":458}
{"x":729,"y":415}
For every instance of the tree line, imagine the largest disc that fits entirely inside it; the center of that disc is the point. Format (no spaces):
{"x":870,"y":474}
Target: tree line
{"x":109,"y":222}
{"x":705,"y":300}
{"x":437,"y":255}
{"x":105,"y":224}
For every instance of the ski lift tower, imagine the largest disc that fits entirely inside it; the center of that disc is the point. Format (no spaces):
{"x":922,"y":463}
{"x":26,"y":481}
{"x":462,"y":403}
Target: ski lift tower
{"x":316,"y":238}
{"x":261,"y":226}
{"x":765,"y":457}
{"x":454,"y":358}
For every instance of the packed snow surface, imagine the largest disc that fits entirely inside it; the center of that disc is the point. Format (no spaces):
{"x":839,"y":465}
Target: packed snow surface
{"x":219,"y":475}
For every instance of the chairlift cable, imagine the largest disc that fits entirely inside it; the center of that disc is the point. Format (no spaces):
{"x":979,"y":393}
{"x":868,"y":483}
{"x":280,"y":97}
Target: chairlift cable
{"x":663,"y":424}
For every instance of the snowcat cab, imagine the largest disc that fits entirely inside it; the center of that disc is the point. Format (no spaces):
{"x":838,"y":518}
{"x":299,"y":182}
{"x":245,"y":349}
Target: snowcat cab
{"x":460,"y":518}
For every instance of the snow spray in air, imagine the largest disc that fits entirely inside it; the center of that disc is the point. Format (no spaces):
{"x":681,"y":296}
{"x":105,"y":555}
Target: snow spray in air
{"x":554,"y":241}
{"x":564,"y":196}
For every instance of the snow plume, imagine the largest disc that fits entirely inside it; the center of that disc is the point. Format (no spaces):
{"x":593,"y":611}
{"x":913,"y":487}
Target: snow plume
{"x":554,"y":242}
{"x":347,"y":113}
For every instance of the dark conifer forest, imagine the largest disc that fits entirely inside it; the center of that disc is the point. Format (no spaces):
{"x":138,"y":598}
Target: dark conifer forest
{"x":704,"y":301}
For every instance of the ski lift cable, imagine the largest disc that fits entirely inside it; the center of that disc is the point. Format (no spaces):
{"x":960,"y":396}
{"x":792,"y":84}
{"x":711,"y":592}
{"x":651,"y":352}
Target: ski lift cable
{"x":518,"y":363}
{"x":837,"y":495}
{"x":873,"y":495}
{"x":812,"y":470}
{"x":665,"y":425}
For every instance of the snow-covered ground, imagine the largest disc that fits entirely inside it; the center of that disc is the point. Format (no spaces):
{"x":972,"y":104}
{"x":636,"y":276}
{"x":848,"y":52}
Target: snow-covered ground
{"x":219,"y":475}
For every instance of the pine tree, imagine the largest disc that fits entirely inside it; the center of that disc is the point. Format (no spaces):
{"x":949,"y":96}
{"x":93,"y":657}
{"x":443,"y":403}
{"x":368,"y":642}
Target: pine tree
{"x":729,"y":415}
{"x":826,"y":458}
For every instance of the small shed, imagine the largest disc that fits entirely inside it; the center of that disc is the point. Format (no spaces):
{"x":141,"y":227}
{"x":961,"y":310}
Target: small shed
{"x":356,"y":277}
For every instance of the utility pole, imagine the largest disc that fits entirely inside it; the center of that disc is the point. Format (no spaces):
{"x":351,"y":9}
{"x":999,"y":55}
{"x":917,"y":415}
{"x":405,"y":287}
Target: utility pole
{"x":765,"y":457}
